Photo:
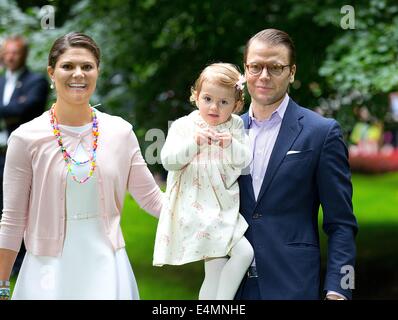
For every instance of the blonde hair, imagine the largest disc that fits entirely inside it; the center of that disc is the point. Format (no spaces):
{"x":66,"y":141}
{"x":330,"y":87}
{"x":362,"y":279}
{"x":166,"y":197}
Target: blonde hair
{"x":224,"y":74}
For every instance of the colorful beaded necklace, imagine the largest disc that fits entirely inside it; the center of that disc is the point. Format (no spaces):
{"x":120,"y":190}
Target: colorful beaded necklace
{"x":67,"y":157}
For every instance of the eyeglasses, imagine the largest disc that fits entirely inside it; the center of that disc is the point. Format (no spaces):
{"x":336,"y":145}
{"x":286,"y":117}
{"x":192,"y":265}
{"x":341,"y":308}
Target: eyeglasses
{"x":256,"y":69}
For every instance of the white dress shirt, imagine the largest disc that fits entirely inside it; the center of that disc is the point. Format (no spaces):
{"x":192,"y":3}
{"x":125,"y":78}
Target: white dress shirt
{"x":11,"y":83}
{"x":263,"y":135}
{"x":9,"y":87}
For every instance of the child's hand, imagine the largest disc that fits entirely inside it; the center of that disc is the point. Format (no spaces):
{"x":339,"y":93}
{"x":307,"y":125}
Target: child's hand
{"x":225,"y":139}
{"x":204,"y":135}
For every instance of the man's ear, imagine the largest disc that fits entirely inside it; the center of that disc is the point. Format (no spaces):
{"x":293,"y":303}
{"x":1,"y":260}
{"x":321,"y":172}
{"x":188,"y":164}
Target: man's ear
{"x":245,"y":71}
{"x":238,"y":106}
{"x":292,"y":73}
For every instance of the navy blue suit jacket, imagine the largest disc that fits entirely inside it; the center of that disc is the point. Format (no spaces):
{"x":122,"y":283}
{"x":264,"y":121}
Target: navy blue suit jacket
{"x":283,"y":222}
{"x":27,"y":101}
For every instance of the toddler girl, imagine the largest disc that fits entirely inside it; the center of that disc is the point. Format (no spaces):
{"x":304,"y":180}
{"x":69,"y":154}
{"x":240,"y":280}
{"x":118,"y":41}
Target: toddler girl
{"x":205,"y":153}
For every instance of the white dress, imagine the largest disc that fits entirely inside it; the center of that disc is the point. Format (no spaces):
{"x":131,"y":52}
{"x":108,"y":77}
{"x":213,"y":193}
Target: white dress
{"x":88,"y":268}
{"x":201,"y":218}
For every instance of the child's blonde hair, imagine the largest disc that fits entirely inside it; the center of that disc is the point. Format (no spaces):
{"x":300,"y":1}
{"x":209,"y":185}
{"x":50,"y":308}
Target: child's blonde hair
{"x":224,"y":74}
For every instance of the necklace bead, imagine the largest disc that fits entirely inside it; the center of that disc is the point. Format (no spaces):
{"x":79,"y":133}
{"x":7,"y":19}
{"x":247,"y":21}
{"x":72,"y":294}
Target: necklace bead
{"x":67,"y":157}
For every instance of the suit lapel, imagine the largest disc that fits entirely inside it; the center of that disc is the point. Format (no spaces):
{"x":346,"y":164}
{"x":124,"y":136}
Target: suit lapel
{"x":19,"y":84}
{"x":246,"y":179}
{"x":245,"y":118}
{"x":289,"y":131}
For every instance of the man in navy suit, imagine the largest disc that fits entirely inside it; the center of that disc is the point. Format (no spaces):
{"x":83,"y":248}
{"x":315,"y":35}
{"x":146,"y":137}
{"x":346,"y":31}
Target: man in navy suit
{"x":23,"y":96}
{"x":300,"y":162}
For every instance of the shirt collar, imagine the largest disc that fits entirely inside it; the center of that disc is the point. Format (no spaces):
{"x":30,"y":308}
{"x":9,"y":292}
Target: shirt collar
{"x":279,"y":112}
{"x":14,"y":74}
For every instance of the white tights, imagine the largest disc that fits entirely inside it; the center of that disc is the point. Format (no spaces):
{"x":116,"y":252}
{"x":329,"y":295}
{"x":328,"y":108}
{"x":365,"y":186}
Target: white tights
{"x":224,"y":275}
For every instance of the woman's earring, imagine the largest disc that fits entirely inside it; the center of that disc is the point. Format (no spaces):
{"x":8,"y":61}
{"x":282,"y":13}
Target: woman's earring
{"x":52,"y":84}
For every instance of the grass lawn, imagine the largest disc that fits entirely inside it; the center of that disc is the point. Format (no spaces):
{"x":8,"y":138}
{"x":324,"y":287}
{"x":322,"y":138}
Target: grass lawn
{"x":375,"y":204}
{"x":168,"y":282}
{"x":376,"y":208}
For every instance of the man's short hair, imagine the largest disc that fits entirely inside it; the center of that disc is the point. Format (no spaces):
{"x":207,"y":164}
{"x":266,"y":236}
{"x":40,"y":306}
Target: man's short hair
{"x":274,"y":37}
{"x":18,"y":38}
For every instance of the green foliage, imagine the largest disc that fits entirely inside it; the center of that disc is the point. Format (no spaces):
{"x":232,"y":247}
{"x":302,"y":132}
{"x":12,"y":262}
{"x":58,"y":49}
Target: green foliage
{"x":153,"y":50}
{"x":12,"y":18}
{"x":362,"y":63}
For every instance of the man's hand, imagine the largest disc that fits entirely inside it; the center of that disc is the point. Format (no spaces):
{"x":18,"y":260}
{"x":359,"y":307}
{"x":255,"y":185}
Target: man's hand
{"x":332,"y":296}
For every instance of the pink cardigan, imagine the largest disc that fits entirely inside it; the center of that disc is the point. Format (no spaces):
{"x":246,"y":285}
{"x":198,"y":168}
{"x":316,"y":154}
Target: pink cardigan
{"x":35,"y":181}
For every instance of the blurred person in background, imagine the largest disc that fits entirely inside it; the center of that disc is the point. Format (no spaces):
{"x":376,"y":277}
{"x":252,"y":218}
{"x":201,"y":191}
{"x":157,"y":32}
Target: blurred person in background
{"x":23,"y":96}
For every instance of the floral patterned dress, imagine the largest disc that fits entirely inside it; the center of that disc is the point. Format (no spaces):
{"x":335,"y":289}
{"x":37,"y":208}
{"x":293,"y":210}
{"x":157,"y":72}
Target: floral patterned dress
{"x":201,"y":218}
